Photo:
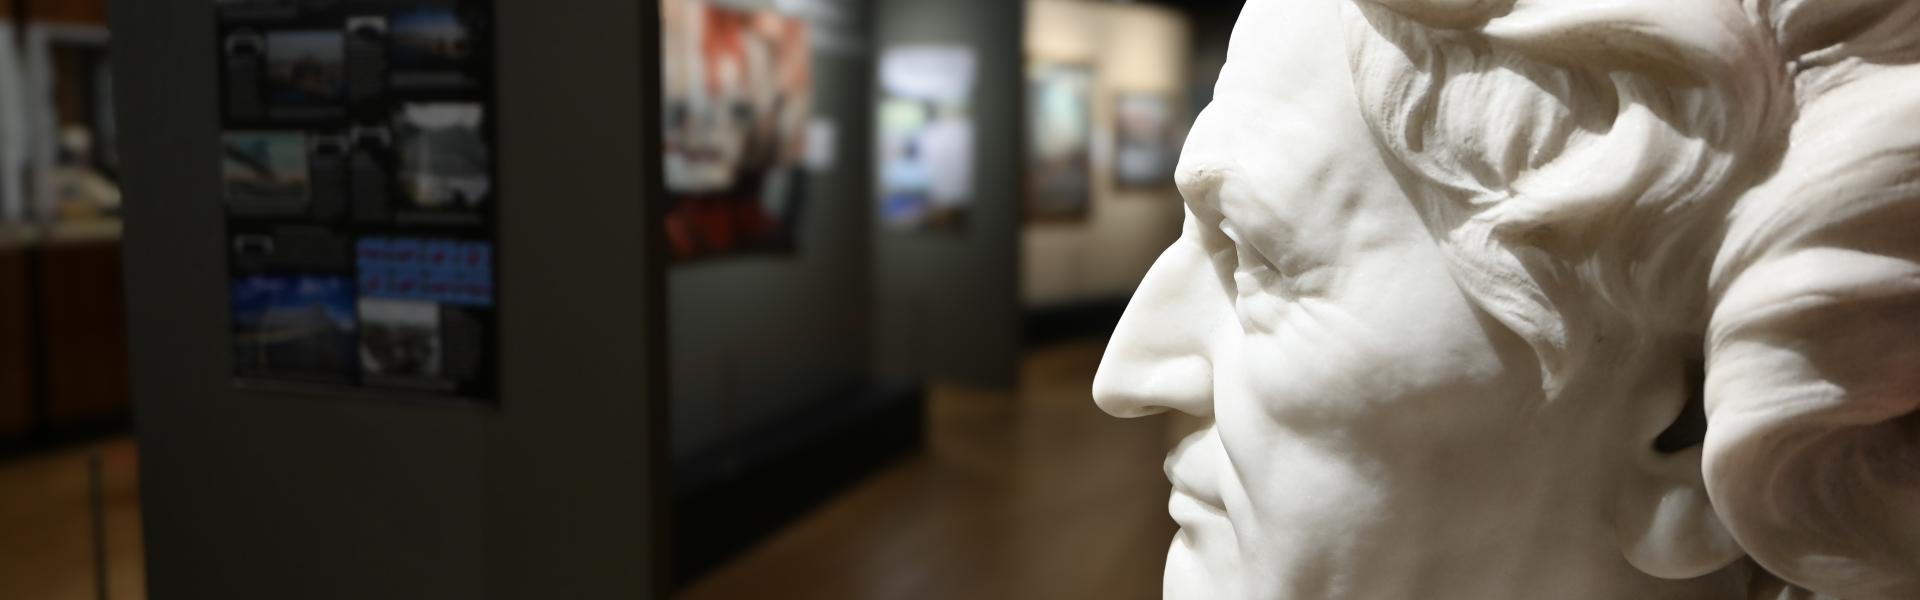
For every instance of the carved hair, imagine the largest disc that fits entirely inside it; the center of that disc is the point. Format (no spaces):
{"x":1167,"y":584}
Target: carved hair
{"x":1551,"y":144}
{"x":1744,"y":176}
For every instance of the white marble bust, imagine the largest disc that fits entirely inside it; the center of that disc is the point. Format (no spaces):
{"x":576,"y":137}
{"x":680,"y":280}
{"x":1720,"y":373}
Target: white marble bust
{"x":1456,"y":273}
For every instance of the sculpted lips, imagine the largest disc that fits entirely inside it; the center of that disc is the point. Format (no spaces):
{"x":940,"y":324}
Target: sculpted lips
{"x":1194,"y":470}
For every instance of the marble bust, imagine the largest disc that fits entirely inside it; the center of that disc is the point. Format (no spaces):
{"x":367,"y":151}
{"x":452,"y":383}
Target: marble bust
{"x":1544,"y":299}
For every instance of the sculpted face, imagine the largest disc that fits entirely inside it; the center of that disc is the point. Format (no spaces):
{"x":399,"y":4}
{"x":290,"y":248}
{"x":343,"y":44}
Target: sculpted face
{"x":1436,"y":352}
{"x":1362,"y":411}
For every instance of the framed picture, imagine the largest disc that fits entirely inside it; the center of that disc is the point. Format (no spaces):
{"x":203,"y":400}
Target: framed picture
{"x":1145,"y":145}
{"x":265,"y":172}
{"x":294,"y":327}
{"x":737,"y":101}
{"x":306,"y":72}
{"x":926,"y":137}
{"x":1059,"y":182}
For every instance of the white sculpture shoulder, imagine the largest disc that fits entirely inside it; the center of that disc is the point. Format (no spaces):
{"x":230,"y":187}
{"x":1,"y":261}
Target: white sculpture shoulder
{"x":1528,"y":299}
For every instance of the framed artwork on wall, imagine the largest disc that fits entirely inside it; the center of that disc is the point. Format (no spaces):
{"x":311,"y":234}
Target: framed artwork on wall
{"x":926,"y":137}
{"x":1145,"y":142}
{"x":1059,"y":167}
{"x":737,"y":89}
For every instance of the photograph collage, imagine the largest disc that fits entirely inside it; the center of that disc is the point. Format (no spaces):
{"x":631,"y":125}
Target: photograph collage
{"x":358,"y":180}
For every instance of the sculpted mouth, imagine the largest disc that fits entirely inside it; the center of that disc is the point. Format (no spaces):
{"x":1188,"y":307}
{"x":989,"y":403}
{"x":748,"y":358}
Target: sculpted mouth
{"x":1194,"y":473}
{"x":1205,"y":498}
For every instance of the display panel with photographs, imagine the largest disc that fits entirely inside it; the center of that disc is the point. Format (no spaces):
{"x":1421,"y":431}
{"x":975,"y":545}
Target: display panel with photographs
{"x":1145,"y":143}
{"x":926,"y":137}
{"x":737,"y":89}
{"x":360,"y":193}
{"x":1059,"y":141}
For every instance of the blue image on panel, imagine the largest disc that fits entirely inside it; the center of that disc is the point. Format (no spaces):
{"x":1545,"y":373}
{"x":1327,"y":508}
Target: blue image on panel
{"x":293,"y":325}
{"x":431,"y":38}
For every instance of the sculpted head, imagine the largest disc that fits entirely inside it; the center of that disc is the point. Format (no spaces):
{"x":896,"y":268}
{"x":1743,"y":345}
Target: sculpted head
{"x":1515,"y":299}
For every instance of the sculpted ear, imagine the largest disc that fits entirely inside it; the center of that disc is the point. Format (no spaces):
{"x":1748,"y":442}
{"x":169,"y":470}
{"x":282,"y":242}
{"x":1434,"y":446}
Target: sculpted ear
{"x":1666,"y":523}
{"x":1812,"y":452}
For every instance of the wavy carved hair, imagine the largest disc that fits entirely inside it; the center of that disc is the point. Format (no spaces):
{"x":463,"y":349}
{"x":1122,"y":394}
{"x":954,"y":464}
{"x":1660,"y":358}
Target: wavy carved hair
{"x":1744,"y":176}
{"x":1572,"y":154}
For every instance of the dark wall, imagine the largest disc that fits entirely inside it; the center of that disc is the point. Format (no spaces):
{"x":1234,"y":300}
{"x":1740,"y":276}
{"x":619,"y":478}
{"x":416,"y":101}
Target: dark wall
{"x":256,"y":493}
{"x":755,"y":337}
{"x":948,"y":305}
{"x":576,"y":457}
{"x":1212,"y":26}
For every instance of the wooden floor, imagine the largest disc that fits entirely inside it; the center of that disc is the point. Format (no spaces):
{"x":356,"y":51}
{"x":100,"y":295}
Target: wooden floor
{"x":46,"y":527}
{"x":1027,"y":494}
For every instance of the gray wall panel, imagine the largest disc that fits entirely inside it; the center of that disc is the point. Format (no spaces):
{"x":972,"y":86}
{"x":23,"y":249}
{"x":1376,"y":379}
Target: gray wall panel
{"x":574,"y":453}
{"x":271,"y":494}
{"x":949,"y":304}
{"x":757,"y":336}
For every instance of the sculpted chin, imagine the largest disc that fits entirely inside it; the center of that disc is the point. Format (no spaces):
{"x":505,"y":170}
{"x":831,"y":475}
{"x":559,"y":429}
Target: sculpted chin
{"x":1545,"y":299}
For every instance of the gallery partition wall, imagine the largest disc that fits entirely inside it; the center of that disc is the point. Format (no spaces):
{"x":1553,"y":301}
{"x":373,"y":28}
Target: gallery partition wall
{"x":394,"y":295}
{"x":839,"y":240}
{"x":948,"y":306}
{"x":768,"y":305}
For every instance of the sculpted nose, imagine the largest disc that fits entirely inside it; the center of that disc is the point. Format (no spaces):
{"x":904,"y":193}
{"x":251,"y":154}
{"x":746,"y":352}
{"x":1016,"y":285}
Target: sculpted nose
{"x":1159,"y":357}
{"x":1140,"y":384}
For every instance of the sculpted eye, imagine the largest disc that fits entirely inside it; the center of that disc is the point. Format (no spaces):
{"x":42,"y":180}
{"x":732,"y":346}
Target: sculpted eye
{"x":1257,"y":291}
{"x":1253,"y":272}
{"x":1221,"y":252}
{"x":1251,"y":267}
